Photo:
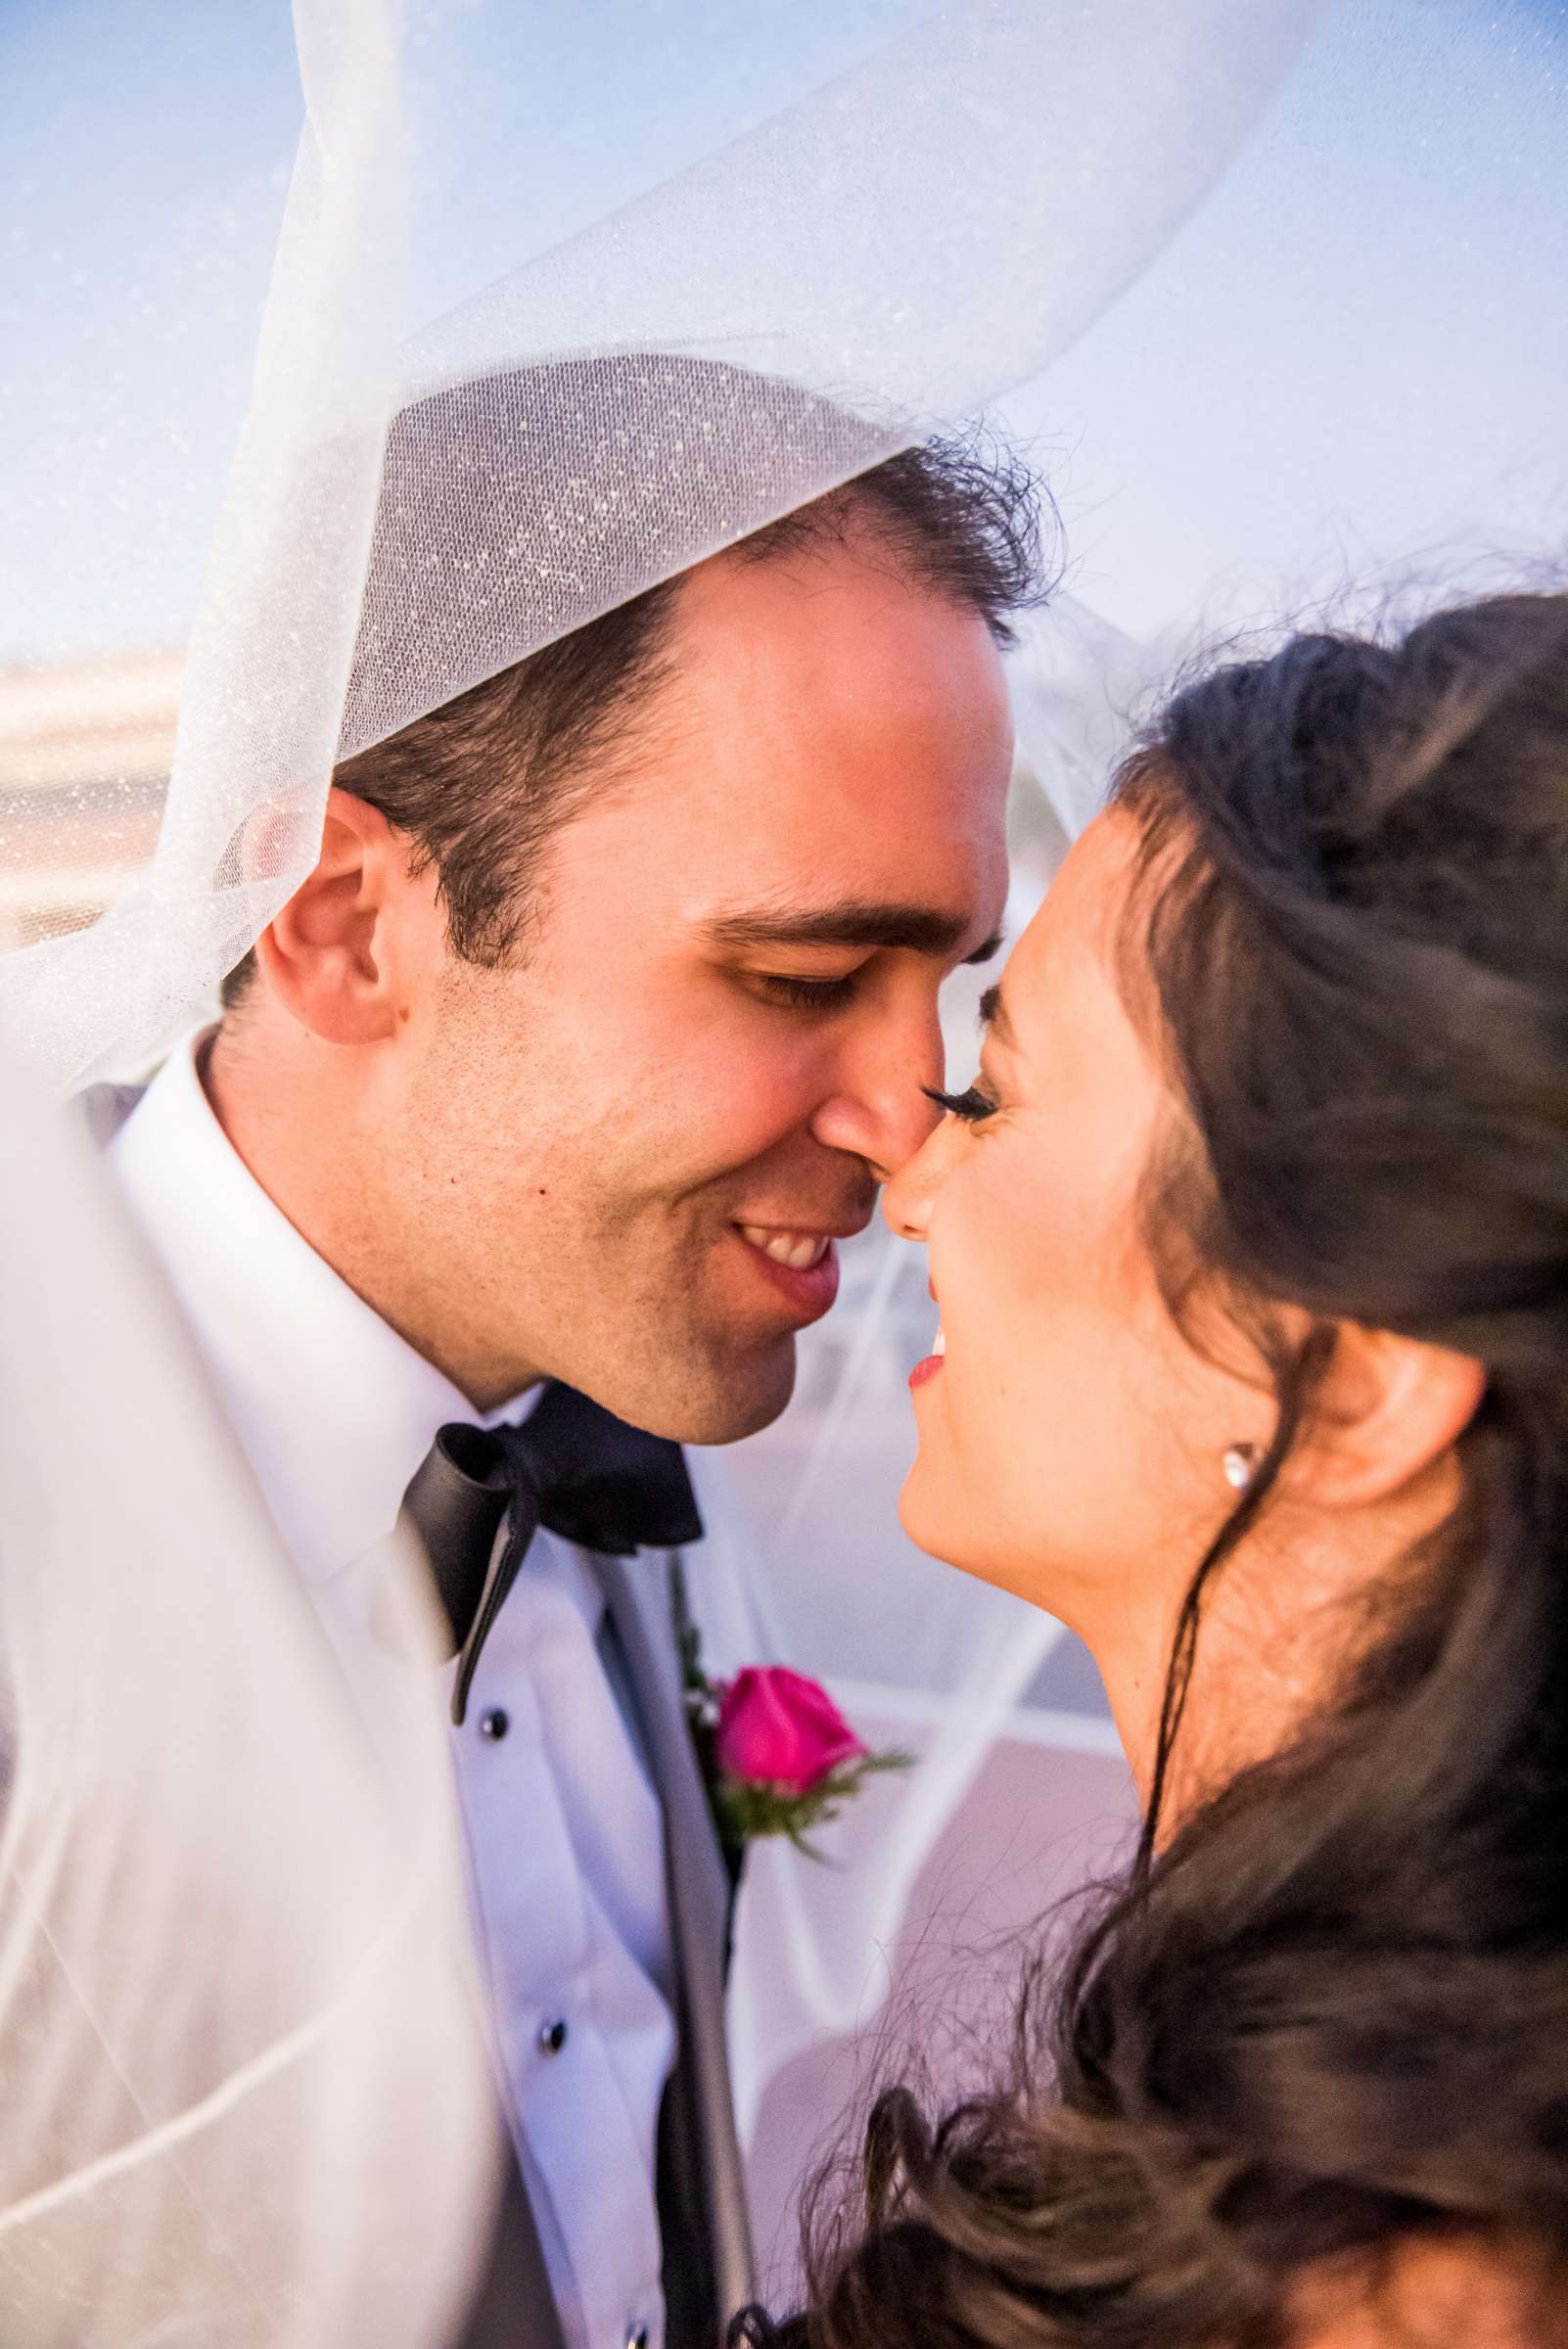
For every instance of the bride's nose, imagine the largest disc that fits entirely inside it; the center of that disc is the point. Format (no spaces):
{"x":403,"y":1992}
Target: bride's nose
{"x":908,"y":1200}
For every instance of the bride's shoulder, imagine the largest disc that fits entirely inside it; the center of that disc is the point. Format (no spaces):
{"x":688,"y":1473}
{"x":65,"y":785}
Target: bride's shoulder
{"x":1435,"y":2295}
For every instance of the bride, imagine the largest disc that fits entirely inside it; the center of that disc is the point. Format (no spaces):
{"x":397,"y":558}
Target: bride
{"x":1250,"y":1243}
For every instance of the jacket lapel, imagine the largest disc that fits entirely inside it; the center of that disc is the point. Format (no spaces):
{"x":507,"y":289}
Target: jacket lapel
{"x":636,"y":1594}
{"x":515,"y":2304}
{"x":104,"y":1108}
{"x":513,"y":2307}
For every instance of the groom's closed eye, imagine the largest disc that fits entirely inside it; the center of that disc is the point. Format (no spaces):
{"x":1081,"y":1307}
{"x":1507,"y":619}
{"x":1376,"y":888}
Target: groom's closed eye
{"x":800,"y":990}
{"x":799,"y":994}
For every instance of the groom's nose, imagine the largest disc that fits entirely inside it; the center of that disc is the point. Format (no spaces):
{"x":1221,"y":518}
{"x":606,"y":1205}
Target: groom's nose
{"x":876,"y":1109}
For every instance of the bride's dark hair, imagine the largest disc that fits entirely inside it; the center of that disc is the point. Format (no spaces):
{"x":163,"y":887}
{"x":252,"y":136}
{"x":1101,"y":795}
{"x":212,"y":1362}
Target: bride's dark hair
{"x":1330,"y":2014}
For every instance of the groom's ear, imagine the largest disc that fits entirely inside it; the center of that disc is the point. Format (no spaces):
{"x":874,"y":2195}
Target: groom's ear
{"x":332,"y":956}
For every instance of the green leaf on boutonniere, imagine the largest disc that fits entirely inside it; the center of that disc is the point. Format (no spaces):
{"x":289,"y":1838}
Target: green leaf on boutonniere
{"x":744,"y":1807}
{"x":750,"y":1807}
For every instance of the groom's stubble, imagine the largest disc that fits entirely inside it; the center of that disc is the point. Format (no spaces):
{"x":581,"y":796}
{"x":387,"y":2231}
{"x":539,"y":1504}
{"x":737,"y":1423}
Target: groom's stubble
{"x":544,"y":1167}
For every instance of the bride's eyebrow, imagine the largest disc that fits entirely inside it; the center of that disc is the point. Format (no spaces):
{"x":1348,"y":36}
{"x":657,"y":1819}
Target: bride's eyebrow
{"x":853,"y":922}
{"x":993,"y":1015}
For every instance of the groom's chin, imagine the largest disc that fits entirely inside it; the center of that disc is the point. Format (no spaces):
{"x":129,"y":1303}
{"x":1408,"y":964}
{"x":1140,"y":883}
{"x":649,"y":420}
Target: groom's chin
{"x":718,"y":1397}
{"x":749,"y":1397}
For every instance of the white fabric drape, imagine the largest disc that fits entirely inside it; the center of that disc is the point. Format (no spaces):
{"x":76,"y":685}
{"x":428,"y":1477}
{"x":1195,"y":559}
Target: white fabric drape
{"x":1284,"y":317}
{"x":245,"y":2090}
{"x":934,"y":225}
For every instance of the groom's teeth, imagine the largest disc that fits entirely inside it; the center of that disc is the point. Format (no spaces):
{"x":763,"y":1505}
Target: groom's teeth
{"x":798,"y":1249}
{"x":939,"y":1344}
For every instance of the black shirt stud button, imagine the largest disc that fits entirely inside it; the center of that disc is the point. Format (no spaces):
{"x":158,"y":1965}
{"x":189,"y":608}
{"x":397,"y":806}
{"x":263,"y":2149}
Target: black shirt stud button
{"x":636,"y":2336}
{"x":494,"y":1723}
{"x":552,"y":2039}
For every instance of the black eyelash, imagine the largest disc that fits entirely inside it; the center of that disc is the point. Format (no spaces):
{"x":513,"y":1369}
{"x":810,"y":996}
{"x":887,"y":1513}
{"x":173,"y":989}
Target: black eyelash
{"x":971,"y":1105}
{"x":805,"y":995}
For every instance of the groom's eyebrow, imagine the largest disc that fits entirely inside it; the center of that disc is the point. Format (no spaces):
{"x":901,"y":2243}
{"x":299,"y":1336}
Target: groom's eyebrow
{"x":855,"y":922}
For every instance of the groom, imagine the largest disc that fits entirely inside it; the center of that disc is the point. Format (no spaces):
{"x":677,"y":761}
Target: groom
{"x":601,"y":1018}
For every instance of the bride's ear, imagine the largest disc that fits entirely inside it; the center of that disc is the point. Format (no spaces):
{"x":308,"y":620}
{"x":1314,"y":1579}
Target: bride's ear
{"x":330,"y":956}
{"x":1388,"y":1409}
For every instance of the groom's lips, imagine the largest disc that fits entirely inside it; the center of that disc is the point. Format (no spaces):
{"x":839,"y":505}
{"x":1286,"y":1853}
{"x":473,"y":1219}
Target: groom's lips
{"x":799,"y":1263}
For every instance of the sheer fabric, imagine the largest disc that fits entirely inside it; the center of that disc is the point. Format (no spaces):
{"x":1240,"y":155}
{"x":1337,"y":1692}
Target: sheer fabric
{"x":933,"y":225}
{"x":1247,"y":273}
{"x":246,"y":2089}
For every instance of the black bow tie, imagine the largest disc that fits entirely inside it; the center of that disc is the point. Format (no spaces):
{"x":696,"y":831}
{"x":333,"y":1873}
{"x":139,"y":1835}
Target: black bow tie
{"x":571,"y":1466}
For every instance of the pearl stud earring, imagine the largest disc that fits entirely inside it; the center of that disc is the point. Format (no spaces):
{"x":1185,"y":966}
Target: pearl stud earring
{"x":1240,"y":1464}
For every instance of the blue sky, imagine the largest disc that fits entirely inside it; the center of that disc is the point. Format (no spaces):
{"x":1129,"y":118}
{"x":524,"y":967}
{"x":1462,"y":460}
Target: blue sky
{"x":1385,"y":279}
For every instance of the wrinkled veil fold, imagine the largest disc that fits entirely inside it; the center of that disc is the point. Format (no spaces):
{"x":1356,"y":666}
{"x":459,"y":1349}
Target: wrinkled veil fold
{"x":933,"y":226}
{"x":437,"y":477}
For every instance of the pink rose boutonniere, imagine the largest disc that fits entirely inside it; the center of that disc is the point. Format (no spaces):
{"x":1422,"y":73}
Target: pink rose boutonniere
{"x":776,"y":1753}
{"x":775,"y":1725}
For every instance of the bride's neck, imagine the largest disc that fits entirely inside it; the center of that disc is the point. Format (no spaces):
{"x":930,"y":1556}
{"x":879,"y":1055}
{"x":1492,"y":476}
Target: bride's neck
{"x":1282,"y":1620}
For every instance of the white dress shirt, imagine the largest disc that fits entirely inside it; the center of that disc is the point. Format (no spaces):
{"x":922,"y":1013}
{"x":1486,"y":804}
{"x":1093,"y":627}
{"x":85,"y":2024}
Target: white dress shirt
{"x":335,"y":1413}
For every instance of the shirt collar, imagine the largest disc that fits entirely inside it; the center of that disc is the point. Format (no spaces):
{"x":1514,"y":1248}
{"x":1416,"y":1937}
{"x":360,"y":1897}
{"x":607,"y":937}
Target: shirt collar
{"x":334,"y":1409}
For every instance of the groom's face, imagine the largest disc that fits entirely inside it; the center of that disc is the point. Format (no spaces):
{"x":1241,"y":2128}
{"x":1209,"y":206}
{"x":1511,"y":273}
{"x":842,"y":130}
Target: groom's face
{"x":631,"y":1152}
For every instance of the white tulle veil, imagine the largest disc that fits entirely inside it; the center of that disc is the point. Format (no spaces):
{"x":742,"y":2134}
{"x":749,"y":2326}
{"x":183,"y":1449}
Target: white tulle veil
{"x":245,"y":2086}
{"x":1272,"y":289}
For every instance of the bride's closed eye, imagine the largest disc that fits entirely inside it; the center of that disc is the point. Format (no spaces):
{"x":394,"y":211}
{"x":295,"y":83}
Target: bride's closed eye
{"x":971,"y":1105}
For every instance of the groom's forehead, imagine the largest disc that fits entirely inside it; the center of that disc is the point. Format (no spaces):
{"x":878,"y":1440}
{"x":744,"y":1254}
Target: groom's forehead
{"x":839,"y":811}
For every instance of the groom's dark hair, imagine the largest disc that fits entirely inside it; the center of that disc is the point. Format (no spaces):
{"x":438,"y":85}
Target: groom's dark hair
{"x":521,"y":481}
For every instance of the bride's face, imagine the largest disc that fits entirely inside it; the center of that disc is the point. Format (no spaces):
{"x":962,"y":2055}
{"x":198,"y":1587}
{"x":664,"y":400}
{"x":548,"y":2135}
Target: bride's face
{"x":1071,"y":1439}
